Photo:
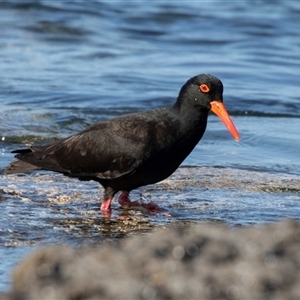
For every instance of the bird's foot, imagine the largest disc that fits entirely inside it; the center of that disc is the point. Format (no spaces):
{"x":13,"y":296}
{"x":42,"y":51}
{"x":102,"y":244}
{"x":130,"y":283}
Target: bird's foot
{"x":150,"y":207}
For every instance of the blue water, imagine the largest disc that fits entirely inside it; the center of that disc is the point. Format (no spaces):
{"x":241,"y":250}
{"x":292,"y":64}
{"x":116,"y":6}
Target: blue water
{"x":66,"y":65}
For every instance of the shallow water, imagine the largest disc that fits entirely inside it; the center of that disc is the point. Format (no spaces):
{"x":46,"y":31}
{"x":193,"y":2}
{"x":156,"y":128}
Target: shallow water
{"x":65,"y":66}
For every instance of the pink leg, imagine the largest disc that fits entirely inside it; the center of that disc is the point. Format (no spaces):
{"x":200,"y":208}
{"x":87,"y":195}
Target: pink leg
{"x":150,"y":207}
{"x":125,"y":201}
{"x":106,"y":205}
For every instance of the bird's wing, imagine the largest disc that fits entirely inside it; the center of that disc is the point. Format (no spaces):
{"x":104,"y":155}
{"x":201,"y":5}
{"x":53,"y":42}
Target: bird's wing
{"x":106,"y":150}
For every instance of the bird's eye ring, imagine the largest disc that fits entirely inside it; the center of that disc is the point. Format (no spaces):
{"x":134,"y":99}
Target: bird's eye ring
{"x":204,"y":88}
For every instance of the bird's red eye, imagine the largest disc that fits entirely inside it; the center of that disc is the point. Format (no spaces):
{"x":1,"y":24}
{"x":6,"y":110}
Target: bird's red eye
{"x":204,"y":88}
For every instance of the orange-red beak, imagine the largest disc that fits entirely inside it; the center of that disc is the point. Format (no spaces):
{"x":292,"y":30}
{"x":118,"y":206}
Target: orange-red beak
{"x":219,"y":109}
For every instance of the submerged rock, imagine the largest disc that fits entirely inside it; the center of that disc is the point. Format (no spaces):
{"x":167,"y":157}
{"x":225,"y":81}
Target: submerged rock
{"x":205,"y":261}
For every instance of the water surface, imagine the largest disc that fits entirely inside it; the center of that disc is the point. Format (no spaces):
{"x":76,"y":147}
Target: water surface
{"x":67,"y":65}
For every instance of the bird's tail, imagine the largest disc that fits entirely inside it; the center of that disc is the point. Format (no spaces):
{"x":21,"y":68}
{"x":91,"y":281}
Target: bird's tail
{"x":20,"y":166}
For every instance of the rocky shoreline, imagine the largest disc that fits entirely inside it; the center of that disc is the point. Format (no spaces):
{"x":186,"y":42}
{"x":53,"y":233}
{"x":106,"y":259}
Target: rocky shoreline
{"x":204,"y":261}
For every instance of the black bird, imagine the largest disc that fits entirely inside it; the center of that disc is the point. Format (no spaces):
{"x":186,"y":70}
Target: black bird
{"x":136,"y":149}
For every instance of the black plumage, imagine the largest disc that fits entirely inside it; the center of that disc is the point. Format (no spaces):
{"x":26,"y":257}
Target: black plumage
{"x":132,"y":150}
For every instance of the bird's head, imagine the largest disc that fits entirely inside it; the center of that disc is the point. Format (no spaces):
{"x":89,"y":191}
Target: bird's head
{"x":206,"y":91}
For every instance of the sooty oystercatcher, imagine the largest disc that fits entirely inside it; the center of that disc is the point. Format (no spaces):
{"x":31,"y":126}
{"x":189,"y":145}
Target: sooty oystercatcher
{"x":136,"y":149}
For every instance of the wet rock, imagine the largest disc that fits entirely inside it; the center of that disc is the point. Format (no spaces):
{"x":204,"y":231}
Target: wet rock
{"x":196,"y":262}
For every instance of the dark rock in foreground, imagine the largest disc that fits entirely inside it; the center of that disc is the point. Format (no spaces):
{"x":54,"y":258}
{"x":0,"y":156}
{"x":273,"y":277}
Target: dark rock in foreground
{"x":197,"y":262}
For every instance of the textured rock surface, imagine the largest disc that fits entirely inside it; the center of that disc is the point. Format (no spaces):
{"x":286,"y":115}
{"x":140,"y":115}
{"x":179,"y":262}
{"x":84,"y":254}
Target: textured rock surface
{"x":197,"y":262}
